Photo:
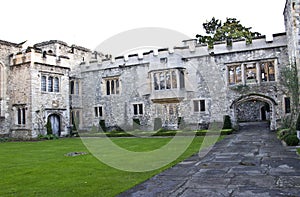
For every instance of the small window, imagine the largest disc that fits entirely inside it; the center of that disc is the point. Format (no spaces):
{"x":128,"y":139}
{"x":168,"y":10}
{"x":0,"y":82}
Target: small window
{"x":164,"y":60}
{"x":199,"y":105}
{"x":21,"y":116}
{"x":287,"y":105}
{"x":98,"y":112}
{"x":138,"y":109}
{"x":72,"y":87}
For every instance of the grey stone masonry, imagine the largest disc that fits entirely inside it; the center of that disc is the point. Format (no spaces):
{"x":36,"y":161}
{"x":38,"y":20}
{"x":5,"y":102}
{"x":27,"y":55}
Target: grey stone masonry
{"x":192,"y":82}
{"x":74,"y":87}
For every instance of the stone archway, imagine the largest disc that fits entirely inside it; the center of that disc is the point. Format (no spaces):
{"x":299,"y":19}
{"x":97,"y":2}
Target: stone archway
{"x":254,"y":108}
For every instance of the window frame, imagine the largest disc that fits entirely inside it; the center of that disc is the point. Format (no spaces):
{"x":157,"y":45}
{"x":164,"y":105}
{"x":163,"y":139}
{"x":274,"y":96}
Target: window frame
{"x":138,"y":109}
{"x":112,"y":86}
{"x":98,"y":111}
{"x":199,"y":105}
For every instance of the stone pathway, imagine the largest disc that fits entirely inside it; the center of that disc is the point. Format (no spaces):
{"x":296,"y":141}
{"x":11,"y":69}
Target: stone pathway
{"x":251,"y":162}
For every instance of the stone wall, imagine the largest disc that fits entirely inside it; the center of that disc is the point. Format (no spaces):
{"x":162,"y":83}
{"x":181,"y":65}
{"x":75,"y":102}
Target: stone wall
{"x":205,"y":78}
{"x":6,"y":49}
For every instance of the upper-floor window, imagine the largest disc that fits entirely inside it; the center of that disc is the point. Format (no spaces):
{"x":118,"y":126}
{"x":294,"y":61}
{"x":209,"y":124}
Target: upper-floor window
{"x":168,"y":79}
{"x":49,"y":83}
{"x":250,"y":73}
{"x":44,"y":83}
{"x":267,"y":71}
{"x":235,"y":74}
{"x":75,"y":87}
{"x":255,"y":72}
{"x":112,"y":86}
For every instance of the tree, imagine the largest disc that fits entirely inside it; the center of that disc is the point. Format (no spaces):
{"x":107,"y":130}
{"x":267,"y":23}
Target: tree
{"x":290,"y":80}
{"x":230,"y":30}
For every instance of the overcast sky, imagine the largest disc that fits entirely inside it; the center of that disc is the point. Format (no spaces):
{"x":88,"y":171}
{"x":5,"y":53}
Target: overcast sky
{"x":88,"y":23}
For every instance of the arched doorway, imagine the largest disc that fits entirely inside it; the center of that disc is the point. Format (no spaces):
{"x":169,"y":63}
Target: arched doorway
{"x":254,"y":108}
{"x":55,"y":124}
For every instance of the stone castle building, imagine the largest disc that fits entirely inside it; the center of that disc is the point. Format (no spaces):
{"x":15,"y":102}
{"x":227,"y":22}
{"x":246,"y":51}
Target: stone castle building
{"x":73,"y":86}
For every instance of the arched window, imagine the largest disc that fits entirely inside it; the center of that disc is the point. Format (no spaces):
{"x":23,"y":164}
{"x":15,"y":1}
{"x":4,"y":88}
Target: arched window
{"x":43,"y":83}
{"x":50,"y":84}
{"x":56,"y":84}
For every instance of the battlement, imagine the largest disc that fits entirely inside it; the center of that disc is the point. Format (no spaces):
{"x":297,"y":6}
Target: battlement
{"x":32,"y":55}
{"x":190,"y":49}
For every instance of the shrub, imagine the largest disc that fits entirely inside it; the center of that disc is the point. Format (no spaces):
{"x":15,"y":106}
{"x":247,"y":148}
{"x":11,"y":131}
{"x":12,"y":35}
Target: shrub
{"x":298,"y":123}
{"x":291,"y":140}
{"x":164,"y":132}
{"x":181,"y":123}
{"x":157,"y":124}
{"x":49,"y":128}
{"x":102,"y":125}
{"x":283,"y":133}
{"x":136,"y":124}
{"x":227,"y":122}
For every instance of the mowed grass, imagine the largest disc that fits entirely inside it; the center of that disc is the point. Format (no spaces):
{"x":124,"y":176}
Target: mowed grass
{"x":42,"y":169}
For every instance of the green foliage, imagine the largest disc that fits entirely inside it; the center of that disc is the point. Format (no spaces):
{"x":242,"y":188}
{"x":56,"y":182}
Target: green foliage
{"x":102,"y":125}
{"x":157,"y":124}
{"x":291,"y":140}
{"x":136,"y":124}
{"x":229,"y":31}
{"x":4,"y":139}
{"x":282,"y":133}
{"x":227,"y":122}
{"x":48,"y":137}
{"x":290,"y":80}
{"x":49,"y":127}
{"x":181,"y":123}
{"x":298,"y":123}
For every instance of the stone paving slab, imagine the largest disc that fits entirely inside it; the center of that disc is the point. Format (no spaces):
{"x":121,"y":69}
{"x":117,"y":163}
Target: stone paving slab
{"x":251,"y":162}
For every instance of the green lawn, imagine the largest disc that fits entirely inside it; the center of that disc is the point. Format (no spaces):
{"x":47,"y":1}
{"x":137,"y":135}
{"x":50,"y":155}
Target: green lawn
{"x":42,"y":169}
{"x":298,"y":150}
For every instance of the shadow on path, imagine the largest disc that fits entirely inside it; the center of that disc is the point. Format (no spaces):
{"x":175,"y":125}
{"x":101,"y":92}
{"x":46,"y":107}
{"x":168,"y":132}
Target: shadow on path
{"x":251,"y":162}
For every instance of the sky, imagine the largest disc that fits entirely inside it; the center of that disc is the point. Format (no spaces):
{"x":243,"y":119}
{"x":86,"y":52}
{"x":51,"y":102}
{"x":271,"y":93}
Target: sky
{"x":90,"y":22}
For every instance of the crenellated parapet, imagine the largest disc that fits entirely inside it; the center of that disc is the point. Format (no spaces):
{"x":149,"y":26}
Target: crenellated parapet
{"x":190,"y":48}
{"x":37,"y":56}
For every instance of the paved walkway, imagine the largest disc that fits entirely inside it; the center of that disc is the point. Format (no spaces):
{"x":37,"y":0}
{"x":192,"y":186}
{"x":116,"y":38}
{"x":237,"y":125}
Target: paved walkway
{"x":251,"y":162}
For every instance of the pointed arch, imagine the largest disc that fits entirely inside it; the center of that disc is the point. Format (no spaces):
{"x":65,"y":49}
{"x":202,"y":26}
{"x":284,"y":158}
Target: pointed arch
{"x":256,"y":97}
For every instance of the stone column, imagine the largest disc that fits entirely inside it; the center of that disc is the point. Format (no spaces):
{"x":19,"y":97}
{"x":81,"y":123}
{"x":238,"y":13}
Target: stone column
{"x":243,"y":74}
{"x":226,"y":75}
{"x":258,"y":73}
